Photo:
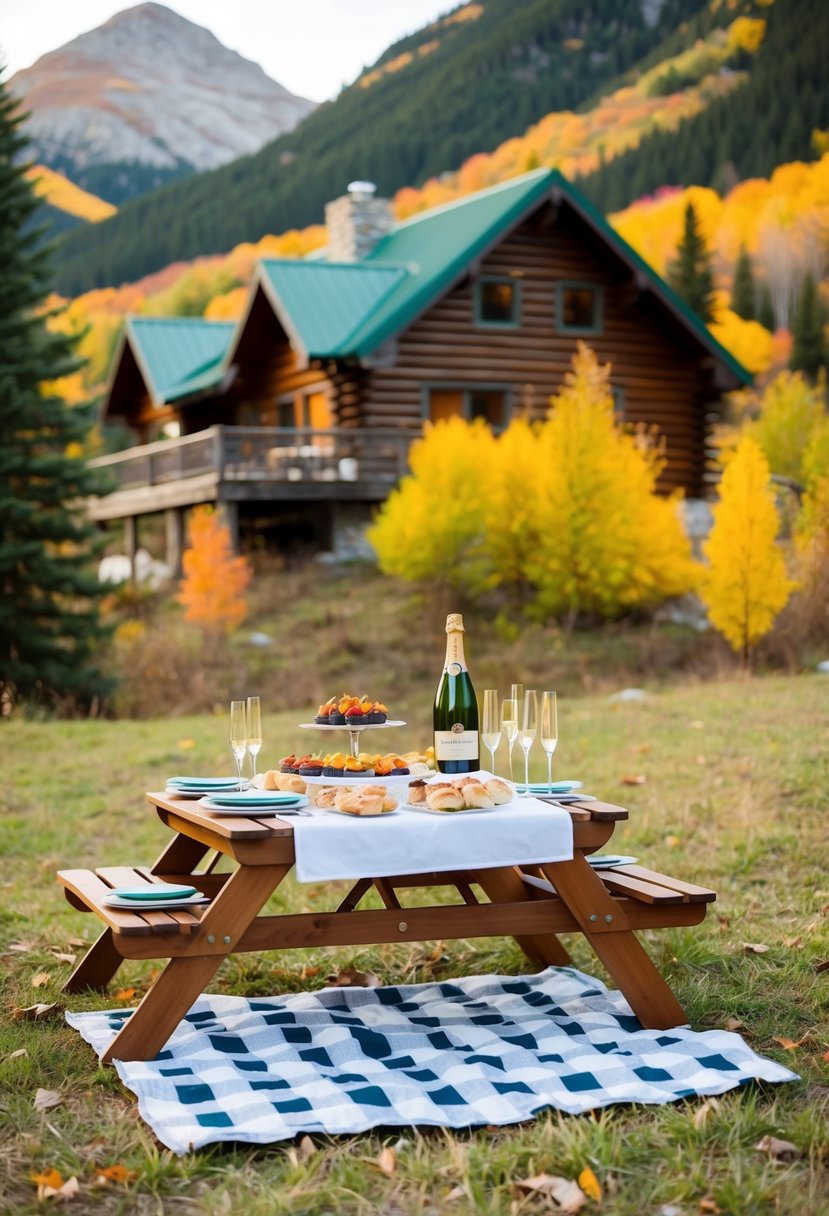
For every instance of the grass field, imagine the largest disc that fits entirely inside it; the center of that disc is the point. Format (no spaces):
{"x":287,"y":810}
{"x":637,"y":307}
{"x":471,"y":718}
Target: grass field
{"x":735,"y":796}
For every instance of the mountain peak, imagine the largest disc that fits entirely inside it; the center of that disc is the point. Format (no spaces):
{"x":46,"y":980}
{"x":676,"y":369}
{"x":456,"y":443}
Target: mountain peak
{"x":151,"y":88}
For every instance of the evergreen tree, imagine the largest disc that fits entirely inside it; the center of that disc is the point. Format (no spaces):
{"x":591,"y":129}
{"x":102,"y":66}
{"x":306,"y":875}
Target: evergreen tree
{"x":49,"y":629}
{"x":809,"y":353}
{"x":690,"y":273}
{"x":742,"y":289}
{"x":766,"y":314}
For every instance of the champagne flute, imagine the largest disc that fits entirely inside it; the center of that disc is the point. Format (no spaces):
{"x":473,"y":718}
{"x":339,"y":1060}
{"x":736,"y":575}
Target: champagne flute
{"x":254,"y":717}
{"x":509,"y":725}
{"x":516,"y":695}
{"x":549,"y":732}
{"x":238,"y":736}
{"x":527,"y":732}
{"x":491,"y":733}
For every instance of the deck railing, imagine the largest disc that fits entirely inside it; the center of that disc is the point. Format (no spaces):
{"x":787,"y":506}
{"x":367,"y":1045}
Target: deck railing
{"x":242,"y":453}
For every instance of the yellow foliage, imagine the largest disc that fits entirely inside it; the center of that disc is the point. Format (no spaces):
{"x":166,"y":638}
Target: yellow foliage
{"x":213,"y":588}
{"x":57,"y":190}
{"x":430,"y":526}
{"x":746,"y":585}
{"x":793,"y":428}
{"x":607,"y":542}
{"x":747,"y":341}
{"x":511,"y":503}
{"x":746,"y":34}
{"x":228,"y":307}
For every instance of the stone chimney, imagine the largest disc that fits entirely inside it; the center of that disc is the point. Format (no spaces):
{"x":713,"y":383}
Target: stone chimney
{"x":357,"y":222}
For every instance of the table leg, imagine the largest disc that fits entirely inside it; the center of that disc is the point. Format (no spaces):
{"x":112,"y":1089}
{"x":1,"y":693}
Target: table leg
{"x":606,"y":927}
{"x":97,"y":967}
{"x":504,"y":885}
{"x":180,"y":856}
{"x":184,"y":978}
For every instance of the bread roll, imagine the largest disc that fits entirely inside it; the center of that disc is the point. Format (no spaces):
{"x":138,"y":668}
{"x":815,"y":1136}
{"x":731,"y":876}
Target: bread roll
{"x":444,"y":798}
{"x":324,"y":795}
{"x":499,"y":791}
{"x":359,"y":802}
{"x":476,"y":795}
{"x":266,"y":781}
{"x":417,"y":792}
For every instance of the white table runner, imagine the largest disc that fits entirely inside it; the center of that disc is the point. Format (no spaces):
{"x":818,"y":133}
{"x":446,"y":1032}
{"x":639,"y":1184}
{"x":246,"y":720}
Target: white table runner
{"x":525,"y":831}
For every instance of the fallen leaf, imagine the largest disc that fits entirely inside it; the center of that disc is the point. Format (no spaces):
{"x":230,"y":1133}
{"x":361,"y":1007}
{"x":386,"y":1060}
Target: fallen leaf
{"x":754,"y":948}
{"x":78,"y":942}
{"x":634,"y":779}
{"x":672,"y":841}
{"x":777,"y":1150}
{"x":60,"y":1194}
{"x":19,"y":947}
{"x":790,"y":1044}
{"x":40,"y":978}
{"x":696,"y":725}
{"x":17,"y":1055}
{"x":567,"y":1194}
{"x":669,"y":1209}
{"x":349,"y":978}
{"x":45,"y":1099}
{"x":37,"y":1013}
{"x":387,"y":1161}
{"x":734,"y":1024}
{"x":125,"y":994}
{"x":457,"y":1192}
{"x":308,"y":972}
{"x":644,"y":747}
{"x":50,"y":1177}
{"x":590,"y":1184}
{"x":71,"y":959}
{"x":792,"y":943}
{"x":186,"y":745}
{"x":824,"y":966}
{"x":708,"y":1204}
{"x":704,"y":1112}
{"x":114,"y":1173}
{"x":825,"y":1056}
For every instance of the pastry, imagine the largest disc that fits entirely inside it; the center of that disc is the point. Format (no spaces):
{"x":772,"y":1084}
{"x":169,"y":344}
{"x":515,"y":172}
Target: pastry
{"x":444,"y":798}
{"x":499,"y":791}
{"x":417,"y":792}
{"x":324,"y":795}
{"x":360,"y":802}
{"x":476,"y":795}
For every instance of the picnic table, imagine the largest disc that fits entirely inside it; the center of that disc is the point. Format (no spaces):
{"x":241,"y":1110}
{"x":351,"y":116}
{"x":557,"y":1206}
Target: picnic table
{"x":533,"y":904}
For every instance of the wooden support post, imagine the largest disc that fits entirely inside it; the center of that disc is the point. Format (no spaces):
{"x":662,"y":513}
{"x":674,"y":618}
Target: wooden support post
{"x":131,"y":542}
{"x":230,"y":511}
{"x":174,"y":528}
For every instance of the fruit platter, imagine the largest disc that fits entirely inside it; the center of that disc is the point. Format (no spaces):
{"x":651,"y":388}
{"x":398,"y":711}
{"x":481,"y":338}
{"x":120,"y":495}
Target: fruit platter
{"x":335,"y":767}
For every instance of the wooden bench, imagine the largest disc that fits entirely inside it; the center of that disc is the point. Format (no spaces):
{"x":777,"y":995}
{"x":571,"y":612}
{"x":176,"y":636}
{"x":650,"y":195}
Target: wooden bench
{"x":636,"y":883}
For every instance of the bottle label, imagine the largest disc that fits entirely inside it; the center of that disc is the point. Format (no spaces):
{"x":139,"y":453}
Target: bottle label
{"x":456,"y":744}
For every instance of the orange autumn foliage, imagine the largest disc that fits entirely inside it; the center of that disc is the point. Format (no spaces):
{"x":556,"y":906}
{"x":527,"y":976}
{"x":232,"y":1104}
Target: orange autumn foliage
{"x":212,"y":590}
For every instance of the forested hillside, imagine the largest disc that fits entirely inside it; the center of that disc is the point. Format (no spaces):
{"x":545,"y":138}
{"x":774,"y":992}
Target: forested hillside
{"x":771,"y":119}
{"x":462,"y":85}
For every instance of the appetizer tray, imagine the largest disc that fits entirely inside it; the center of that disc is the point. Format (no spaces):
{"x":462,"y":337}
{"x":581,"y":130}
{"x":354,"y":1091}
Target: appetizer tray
{"x":350,"y":728}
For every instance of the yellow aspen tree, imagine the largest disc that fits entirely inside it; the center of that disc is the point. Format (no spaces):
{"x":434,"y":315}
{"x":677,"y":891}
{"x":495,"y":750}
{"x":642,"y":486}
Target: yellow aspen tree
{"x":746,"y":585}
{"x":607,"y":542}
{"x":510,"y":504}
{"x":212,"y":590}
{"x":430,"y":527}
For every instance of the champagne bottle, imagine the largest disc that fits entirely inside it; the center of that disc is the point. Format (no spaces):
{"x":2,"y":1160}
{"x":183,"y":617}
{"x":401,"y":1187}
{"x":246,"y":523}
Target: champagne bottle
{"x":456,"y":708}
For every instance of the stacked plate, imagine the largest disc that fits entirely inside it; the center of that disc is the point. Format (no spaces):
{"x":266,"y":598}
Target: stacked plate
{"x":609,"y":861}
{"x":198,"y":787}
{"x":552,"y":791}
{"x":255,"y":802}
{"x":159,"y":895}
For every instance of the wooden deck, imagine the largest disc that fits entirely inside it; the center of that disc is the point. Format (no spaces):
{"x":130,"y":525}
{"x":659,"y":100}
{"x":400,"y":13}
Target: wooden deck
{"x":238,"y":463}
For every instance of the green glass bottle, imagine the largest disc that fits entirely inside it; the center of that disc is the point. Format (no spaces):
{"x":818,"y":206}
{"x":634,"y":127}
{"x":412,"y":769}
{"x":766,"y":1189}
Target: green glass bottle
{"x":455,"y":715}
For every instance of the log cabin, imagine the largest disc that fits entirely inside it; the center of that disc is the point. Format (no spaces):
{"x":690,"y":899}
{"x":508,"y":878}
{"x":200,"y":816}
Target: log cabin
{"x":298,"y":418}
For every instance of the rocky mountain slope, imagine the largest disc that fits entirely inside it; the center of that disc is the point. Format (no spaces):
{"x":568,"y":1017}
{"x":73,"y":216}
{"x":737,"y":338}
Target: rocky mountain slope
{"x":146,"y":97}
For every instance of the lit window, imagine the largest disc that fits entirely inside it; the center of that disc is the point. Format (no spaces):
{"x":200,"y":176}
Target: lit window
{"x":496,"y":302}
{"x":468,"y":402}
{"x":579,"y":307}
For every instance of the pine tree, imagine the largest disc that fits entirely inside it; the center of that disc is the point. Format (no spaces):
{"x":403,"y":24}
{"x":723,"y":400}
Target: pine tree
{"x":50,"y":632}
{"x":742,"y":289}
{"x":746,"y":585}
{"x":690,"y":273}
{"x":809,"y":353}
{"x":766,"y":314}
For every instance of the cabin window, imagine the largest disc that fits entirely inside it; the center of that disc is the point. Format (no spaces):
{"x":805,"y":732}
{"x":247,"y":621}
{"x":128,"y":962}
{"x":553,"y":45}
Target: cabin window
{"x":286,"y":413}
{"x":497,"y":303}
{"x":618,"y":402}
{"x":316,"y":411}
{"x":579,"y":307}
{"x":490,"y":402}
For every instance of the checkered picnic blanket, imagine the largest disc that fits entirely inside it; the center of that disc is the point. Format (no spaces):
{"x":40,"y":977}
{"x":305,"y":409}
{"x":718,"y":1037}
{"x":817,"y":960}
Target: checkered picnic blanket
{"x":479,"y":1050}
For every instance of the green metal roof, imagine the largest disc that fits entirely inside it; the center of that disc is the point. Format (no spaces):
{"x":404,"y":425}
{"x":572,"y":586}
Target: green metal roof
{"x":335,"y":310}
{"x":179,"y":355}
{"x":321,"y":303}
